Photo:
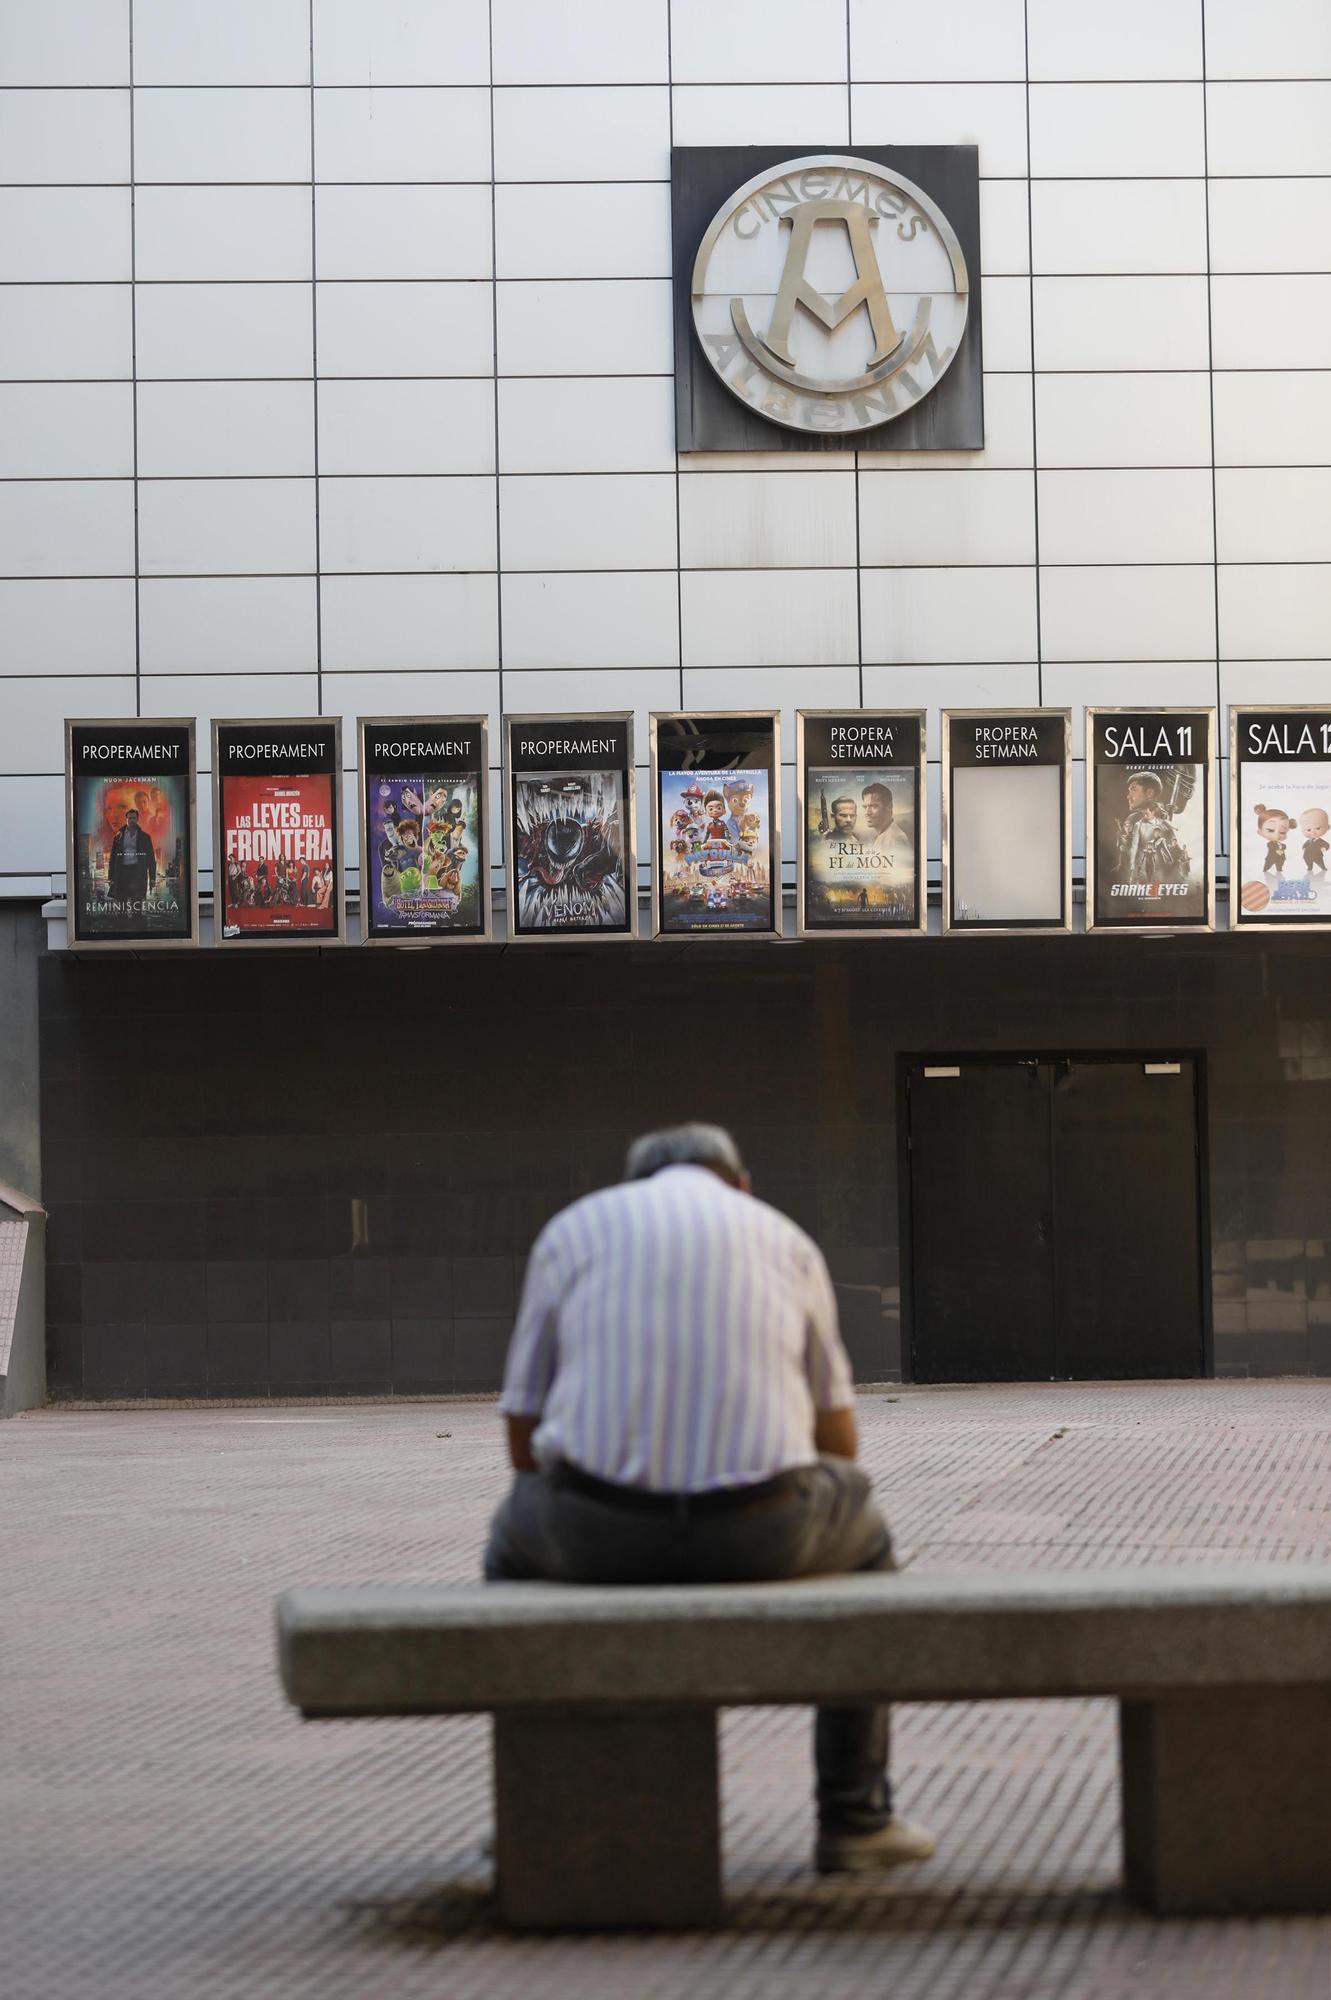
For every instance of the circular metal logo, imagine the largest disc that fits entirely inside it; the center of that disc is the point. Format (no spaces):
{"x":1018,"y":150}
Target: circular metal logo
{"x":830,"y":294}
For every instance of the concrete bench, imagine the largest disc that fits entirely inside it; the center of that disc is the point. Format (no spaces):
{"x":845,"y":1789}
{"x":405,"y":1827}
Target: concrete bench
{"x":605,"y":1706}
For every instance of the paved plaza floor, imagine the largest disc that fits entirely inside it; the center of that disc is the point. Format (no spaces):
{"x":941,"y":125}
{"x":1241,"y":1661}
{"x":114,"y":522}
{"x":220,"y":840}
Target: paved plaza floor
{"x":170,"y":1831}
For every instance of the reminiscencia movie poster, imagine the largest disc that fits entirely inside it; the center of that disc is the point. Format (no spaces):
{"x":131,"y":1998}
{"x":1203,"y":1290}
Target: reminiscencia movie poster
{"x":131,"y":838}
{"x":715,"y":838}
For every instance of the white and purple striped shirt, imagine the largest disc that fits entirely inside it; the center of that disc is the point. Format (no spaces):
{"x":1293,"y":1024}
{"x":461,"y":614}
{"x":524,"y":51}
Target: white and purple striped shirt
{"x":676,"y":1334}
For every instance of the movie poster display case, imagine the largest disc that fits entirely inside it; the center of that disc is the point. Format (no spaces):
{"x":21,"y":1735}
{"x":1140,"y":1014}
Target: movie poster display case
{"x":131,"y":834}
{"x":1279,"y":818}
{"x":277,"y":831}
{"x":1007,"y":820}
{"x":424,"y":794}
{"x":716,"y":841}
{"x":570,"y":819}
{"x":1150,"y":816}
{"x":861,"y":808}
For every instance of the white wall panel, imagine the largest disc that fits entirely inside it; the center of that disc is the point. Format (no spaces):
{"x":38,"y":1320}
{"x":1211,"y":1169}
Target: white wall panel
{"x":953,"y":518}
{"x":403,"y":232}
{"x":234,"y":330}
{"x":1274,"y":515}
{"x":225,"y":527}
{"x":1078,"y":129}
{"x":1299,"y":306}
{"x":1269,"y":225}
{"x":439,"y":427}
{"x":1280,"y":38}
{"x":67,"y":527}
{"x":600,"y":132}
{"x":575,"y":691}
{"x":222,"y":135}
{"x":65,"y":42}
{"x":222,"y":233}
{"x":1006,"y":306}
{"x":402,"y":135}
{"x":65,"y":332}
{"x":589,"y":328}
{"x":594,"y":41}
{"x":1111,"y":226}
{"x":81,"y":626}
{"x":406,"y":328}
{"x":934,"y":687}
{"x":1269,"y":417}
{"x":32,"y":819}
{"x":66,"y":430}
{"x":760,"y":114}
{"x":786,"y":688}
{"x":1005,"y":227}
{"x":1081,"y":684}
{"x":1123,"y":419}
{"x":587,"y":425}
{"x":64,"y":235}
{"x":588,"y":524}
{"x":951,"y":615}
{"x":1112,"y":614}
{"x":225,"y":429}
{"x":406,"y":524}
{"x":759,"y":520}
{"x":758,"y":41}
{"x":1278,"y":612}
{"x":227,"y":697}
{"x":1103,"y":323}
{"x":412,"y":41}
{"x":615,"y":620}
{"x":408,"y":623}
{"x":63,"y":135}
{"x":930,"y":45}
{"x":793,"y":617}
{"x":451,"y":692}
{"x":1008,"y":437}
{"x":228,"y":624}
{"x":1126,"y":517}
{"x":602,"y":230}
{"x":1135,"y":38}
{"x":245,"y":41}
{"x":1269,"y":128}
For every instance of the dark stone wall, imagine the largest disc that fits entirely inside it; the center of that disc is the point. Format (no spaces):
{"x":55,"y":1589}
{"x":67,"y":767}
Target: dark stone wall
{"x":308,"y":1175}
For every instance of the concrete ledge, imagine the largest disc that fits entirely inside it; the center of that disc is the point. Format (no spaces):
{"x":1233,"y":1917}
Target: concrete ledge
{"x":401,"y":1650}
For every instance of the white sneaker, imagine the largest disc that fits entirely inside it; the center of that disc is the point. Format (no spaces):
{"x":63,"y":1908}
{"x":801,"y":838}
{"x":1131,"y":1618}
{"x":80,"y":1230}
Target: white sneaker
{"x":862,"y":1853}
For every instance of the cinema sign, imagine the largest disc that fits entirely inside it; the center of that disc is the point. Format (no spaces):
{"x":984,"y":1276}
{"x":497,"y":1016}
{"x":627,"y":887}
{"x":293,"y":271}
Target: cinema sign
{"x":826,"y":299}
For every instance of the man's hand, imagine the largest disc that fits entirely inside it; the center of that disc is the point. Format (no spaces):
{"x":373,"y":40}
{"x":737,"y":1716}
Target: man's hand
{"x":833,"y":1433}
{"x":520,"y":1432}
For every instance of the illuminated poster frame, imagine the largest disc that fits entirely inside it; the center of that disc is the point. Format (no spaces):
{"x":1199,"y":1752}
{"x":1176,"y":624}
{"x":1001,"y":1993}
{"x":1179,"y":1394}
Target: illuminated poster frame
{"x":1297,"y":738}
{"x":114,"y":750}
{"x":584,"y":747}
{"x":285,"y":750}
{"x":869,"y":745}
{"x":720,"y":745}
{"x":393,"y":753}
{"x":1131,"y":739}
{"x":1011,"y":740}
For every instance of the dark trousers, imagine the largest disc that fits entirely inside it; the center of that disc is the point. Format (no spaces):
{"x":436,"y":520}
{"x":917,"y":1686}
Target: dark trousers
{"x":824,"y":1521}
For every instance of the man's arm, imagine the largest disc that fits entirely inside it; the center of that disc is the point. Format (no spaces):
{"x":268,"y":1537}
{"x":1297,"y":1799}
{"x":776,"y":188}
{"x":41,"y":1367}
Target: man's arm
{"x":520,"y":1433}
{"x":834,"y":1433}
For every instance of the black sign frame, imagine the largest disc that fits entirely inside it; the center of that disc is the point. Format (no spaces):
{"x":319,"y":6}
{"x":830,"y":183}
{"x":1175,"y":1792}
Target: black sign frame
{"x":374,"y":761}
{"x":1053,"y":732}
{"x":228,"y":735}
{"x":712,"y":733}
{"x":1282,"y":715}
{"x":907,"y":729}
{"x":1132,"y":725}
{"x":176,"y":733}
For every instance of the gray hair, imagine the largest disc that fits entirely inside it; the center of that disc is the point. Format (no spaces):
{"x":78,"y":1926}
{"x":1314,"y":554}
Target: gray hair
{"x":684,"y":1145}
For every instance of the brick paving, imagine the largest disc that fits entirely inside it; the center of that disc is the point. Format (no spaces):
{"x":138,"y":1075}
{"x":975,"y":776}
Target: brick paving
{"x":169,"y":1831}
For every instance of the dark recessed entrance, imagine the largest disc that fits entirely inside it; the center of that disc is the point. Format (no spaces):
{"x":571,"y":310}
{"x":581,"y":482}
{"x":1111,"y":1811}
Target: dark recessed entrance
{"x":1054,"y":1219}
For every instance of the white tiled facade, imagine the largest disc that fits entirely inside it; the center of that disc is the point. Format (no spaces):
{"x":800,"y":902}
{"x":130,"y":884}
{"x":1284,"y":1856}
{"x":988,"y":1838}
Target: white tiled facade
{"x":336,"y":367}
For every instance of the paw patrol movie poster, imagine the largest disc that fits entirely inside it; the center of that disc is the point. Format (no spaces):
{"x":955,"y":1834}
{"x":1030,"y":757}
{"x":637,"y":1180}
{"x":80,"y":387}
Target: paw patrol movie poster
{"x":424,"y":865}
{"x":717,"y":861}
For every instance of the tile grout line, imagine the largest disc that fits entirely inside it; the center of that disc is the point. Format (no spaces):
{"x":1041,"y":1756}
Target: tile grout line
{"x":314,"y":392}
{"x":1220,"y":840}
{"x":1035,"y":436}
{"x":134,"y":379}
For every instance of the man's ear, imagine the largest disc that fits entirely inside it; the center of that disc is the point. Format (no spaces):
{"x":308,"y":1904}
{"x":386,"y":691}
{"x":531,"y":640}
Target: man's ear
{"x":745,"y":1182}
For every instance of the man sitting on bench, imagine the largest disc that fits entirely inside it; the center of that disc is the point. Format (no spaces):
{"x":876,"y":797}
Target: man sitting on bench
{"x":679,"y":1410}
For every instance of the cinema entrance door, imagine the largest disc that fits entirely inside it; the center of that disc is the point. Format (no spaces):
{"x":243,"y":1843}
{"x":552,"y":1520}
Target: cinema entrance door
{"x":1054,"y":1221}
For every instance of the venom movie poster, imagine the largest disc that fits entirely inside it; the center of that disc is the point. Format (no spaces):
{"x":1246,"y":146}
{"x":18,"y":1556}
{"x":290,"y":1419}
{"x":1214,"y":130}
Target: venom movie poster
{"x":1148,"y":818}
{"x":860,"y":802}
{"x":571,"y":869}
{"x":1005,"y":819}
{"x":717,"y":849}
{"x":1280,"y":836}
{"x":131,"y":832}
{"x":424,"y":868}
{"x":276,"y":860}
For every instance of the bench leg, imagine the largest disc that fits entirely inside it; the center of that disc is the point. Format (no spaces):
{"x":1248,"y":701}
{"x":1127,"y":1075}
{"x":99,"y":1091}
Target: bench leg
{"x":1226,"y":1800}
{"x":607,"y":1819}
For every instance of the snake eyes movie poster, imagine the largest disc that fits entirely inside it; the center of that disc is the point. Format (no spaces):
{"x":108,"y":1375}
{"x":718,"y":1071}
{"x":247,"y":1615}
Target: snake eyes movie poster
{"x":132,"y":864}
{"x":1148,"y":796}
{"x":570,"y":836}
